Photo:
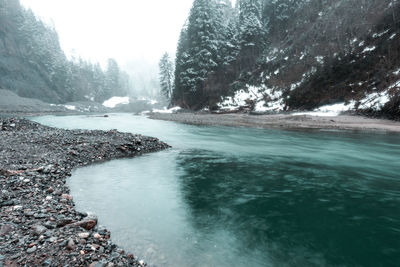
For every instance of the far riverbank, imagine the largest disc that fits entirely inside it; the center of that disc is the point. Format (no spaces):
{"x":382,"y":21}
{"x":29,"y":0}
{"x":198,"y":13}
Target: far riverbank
{"x":284,"y":121}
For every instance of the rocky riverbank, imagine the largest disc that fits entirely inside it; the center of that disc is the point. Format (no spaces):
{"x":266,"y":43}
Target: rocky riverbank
{"x":284,"y":121}
{"x":39,"y":224}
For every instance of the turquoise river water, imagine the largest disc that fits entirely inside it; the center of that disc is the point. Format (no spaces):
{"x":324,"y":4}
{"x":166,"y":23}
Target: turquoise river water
{"x":246,"y":197}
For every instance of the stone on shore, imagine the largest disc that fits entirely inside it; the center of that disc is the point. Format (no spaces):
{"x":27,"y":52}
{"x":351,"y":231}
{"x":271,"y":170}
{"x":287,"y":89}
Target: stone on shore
{"x":39,"y":224}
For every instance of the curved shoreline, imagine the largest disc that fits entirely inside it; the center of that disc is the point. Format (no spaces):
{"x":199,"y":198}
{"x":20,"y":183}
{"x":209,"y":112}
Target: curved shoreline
{"x":283,"y":121}
{"x":39,"y":223}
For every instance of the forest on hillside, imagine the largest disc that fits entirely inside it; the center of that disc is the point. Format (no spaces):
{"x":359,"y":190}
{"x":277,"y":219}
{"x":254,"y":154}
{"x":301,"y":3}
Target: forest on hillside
{"x":302,"y":53}
{"x":32,"y":63}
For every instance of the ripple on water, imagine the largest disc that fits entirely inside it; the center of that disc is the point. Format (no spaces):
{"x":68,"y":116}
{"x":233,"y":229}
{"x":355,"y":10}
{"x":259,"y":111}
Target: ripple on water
{"x":247,"y":197}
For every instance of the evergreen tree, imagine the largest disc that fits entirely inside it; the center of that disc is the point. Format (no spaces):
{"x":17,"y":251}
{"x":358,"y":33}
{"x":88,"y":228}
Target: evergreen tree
{"x":227,"y":22}
{"x":251,"y":33}
{"x":112,"y":78}
{"x":45,"y":71}
{"x":278,"y":13}
{"x":197,"y":54}
{"x":166,"y":76}
{"x":181,"y":63}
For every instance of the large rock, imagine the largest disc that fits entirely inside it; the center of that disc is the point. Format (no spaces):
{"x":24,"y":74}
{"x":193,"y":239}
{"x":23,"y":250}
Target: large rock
{"x":38,"y":229}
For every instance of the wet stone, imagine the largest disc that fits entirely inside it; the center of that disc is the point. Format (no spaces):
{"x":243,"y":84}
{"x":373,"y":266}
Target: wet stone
{"x":31,"y":250}
{"x":38,"y":229}
{"x":37,"y":209}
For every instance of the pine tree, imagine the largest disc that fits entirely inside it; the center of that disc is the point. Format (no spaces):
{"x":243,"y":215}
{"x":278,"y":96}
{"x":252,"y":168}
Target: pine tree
{"x":277,"y":14}
{"x":251,"y":33}
{"x":166,"y":76}
{"x":181,"y":63}
{"x":112,"y":78}
{"x":197,"y":54}
{"x":227,"y":21}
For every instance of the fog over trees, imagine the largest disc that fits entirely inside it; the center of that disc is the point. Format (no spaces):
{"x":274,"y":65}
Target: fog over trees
{"x":33,"y":64}
{"x":166,"y":76}
{"x":307,"y":53}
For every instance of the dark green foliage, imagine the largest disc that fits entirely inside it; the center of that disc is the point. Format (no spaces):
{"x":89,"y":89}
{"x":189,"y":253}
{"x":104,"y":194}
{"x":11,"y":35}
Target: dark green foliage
{"x":310,"y":50}
{"x":203,"y":53}
{"x":252,"y":34}
{"x":181,"y":65}
{"x":32,"y":63}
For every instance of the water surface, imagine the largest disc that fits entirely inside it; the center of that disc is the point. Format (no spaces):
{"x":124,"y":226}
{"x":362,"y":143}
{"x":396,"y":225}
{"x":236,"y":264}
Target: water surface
{"x":246,"y":197}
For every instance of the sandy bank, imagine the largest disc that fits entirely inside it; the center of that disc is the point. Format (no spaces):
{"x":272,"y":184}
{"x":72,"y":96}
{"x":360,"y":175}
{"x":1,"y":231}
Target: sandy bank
{"x":284,"y":121}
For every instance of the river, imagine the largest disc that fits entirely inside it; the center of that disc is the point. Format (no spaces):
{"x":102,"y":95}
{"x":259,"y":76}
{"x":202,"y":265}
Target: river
{"x":246,"y":197}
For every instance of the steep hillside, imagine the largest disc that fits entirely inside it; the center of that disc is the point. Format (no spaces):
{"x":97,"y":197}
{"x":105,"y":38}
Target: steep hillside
{"x":32,"y":63}
{"x":286,"y":55}
{"x":349,"y":52}
{"x":20,"y":69}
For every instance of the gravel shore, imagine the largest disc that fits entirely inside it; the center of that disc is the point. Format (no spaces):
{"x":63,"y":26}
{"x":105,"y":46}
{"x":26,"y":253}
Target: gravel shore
{"x":39,"y":224}
{"x":284,"y":121}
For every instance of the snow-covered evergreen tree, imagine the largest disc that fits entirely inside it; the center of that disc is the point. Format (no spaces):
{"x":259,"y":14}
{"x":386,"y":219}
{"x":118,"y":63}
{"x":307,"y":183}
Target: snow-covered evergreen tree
{"x":278,"y":13}
{"x":252,"y":34}
{"x":112,"y":77}
{"x":203,"y":40}
{"x":166,"y":76}
{"x":203,"y":50}
{"x":181,"y":64}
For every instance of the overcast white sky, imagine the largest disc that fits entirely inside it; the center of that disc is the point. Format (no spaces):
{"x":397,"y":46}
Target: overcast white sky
{"x":127,"y":30}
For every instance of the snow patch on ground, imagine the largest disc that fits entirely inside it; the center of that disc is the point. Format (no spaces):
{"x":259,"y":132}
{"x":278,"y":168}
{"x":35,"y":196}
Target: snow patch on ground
{"x":165,"y":110}
{"x":69,"y":107}
{"x":116,"y":100}
{"x":396,"y":84}
{"x":375,"y":35}
{"x":374,"y":101}
{"x":320,"y":59}
{"x":397,"y":72}
{"x":295,"y":85}
{"x":90,"y":98}
{"x":328,"y":110}
{"x":392,"y":36}
{"x":239,"y":99}
{"x":257,"y":95}
{"x":368,"y":49}
{"x":150,"y":101}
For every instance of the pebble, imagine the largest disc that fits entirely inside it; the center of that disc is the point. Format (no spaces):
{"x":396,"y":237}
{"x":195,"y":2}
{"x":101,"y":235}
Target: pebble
{"x":37,"y":209}
{"x":6,"y":229}
{"x":71,"y":245}
{"x":17,"y":207}
{"x":38,"y":229}
{"x":31,"y":250}
{"x":66,"y":196}
{"x":84,"y":235}
{"x":97,"y":236}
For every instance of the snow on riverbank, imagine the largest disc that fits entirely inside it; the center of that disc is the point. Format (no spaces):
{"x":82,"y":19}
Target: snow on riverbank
{"x":115,"y":101}
{"x":257,"y":96}
{"x":328,"y":110}
{"x":70,"y":107}
{"x":165,"y":110}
